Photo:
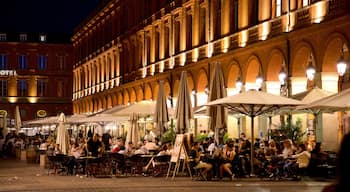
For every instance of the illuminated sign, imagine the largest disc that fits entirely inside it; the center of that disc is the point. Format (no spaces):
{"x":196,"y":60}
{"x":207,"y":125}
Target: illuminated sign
{"x":8,"y":73}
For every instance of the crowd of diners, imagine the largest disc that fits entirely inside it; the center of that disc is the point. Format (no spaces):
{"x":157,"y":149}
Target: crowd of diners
{"x":207,"y":159}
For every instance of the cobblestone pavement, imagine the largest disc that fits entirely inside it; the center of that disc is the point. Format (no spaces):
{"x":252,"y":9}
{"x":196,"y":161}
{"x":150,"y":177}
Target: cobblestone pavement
{"x":17,"y":175}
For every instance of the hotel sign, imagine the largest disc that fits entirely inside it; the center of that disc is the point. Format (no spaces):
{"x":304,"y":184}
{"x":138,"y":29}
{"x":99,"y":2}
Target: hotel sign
{"x":8,"y":73}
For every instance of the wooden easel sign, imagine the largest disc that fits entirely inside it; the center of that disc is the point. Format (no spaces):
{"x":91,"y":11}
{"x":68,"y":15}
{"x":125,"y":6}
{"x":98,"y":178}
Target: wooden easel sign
{"x":179,"y":152}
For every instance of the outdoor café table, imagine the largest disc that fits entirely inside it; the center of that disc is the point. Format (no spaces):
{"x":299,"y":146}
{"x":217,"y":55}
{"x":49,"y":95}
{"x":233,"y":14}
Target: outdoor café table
{"x":86,"y":160}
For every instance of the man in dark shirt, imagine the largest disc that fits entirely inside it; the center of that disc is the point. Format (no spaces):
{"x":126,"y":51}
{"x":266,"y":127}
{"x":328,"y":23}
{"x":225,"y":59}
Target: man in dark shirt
{"x":106,"y":139}
{"x":94,"y":145}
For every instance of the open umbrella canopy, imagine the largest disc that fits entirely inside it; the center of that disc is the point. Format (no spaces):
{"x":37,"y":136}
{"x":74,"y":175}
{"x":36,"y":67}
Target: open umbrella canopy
{"x":336,"y":102}
{"x":102,"y":118}
{"x":254,"y":103}
{"x":311,"y":95}
{"x":183,"y":111}
{"x":161,"y":116}
{"x":142,"y":108}
{"x":218,"y":113}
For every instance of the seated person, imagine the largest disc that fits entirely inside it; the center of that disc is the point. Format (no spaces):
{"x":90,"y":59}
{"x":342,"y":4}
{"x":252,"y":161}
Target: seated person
{"x":228,"y":155}
{"x":195,"y":162}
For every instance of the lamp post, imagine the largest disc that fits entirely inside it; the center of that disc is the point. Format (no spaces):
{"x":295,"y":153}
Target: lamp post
{"x":341,"y":69}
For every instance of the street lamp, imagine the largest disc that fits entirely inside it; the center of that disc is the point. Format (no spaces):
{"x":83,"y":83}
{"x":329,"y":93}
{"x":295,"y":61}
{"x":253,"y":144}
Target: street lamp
{"x":239,"y":84}
{"x":259,"y":80}
{"x":341,"y":63}
{"x":310,"y":70}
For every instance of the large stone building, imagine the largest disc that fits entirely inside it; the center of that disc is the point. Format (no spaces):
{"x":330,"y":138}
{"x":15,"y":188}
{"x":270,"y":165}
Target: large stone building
{"x":126,"y":46}
{"x":35,"y":75}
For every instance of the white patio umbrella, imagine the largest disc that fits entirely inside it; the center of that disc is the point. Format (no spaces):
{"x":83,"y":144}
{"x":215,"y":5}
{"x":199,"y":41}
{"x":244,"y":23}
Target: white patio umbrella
{"x":102,"y":118}
{"x":18,"y":122}
{"x":62,"y":135}
{"x":141,"y":108}
{"x":183,"y":111}
{"x":42,"y":121}
{"x":336,"y":102}
{"x":217,"y":113}
{"x":161,"y":116}
{"x":133,"y":133}
{"x":254,"y":103}
{"x":310,"y":96}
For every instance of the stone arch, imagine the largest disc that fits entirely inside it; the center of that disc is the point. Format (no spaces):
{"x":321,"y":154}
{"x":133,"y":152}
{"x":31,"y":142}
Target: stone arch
{"x":147,"y":91}
{"x":166,"y":88}
{"x":139,"y":93}
{"x":95,"y":104}
{"x":104,"y":102}
{"x":176,"y":87}
{"x":109,"y":101}
{"x":114,"y":99}
{"x":155,"y":89}
{"x":120,"y":98}
{"x":202,"y":80}
{"x":190,"y":81}
{"x":274,"y":65}
{"x":233,"y":72}
{"x":300,"y":59}
{"x":132,"y":95}
{"x":252,"y":69}
{"x":332,"y":50}
{"x":126,"y":98}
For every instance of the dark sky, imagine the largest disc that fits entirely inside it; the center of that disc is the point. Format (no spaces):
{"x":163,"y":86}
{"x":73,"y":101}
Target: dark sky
{"x":50,"y":16}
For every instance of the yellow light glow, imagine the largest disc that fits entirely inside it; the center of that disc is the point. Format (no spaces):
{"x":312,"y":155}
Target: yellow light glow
{"x":226,"y":44}
{"x":210,"y":50}
{"x":273,"y":87}
{"x":264,"y":30}
{"x":243,"y":38}
{"x":161,"y":66}
{"x":12,"y":99}
{"x":33,"y":99}
{"x":153,"y":69}
{"x":144,"y":72}
{"x":318,"y":11}
{"x":183,"y":59}
{"x":117,"y":82}
{"x":195,"y":54}
{"x":172,"y":63}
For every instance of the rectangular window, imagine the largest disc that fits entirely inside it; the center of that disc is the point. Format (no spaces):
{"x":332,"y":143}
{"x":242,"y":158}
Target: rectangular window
{"x":23,"y":37}
{"x":41,"y":87}
{"x":278,"y":8}
{"x":3,"y":61}
{"x":22,"y":88}
{"x":42,"y":62}
{"x":3,"y":88}
{"x":60,"y":62}
{"x":22,"y":62}
{"x":2,"y":36}
{"x":305,"y":3}
{"x":42,"y":38}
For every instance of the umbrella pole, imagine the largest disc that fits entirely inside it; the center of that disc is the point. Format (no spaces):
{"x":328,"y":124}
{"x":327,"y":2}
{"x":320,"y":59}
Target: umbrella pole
{"x":252,"y":147}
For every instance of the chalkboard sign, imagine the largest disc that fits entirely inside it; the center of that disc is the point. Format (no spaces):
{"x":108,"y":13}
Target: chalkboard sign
{"x":178,"y":147}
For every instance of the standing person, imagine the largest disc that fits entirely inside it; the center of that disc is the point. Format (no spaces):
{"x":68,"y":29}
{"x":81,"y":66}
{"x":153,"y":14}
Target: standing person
{"x":94,"y":145}
{"x":107,"y":139}
{"x":343,"y":168}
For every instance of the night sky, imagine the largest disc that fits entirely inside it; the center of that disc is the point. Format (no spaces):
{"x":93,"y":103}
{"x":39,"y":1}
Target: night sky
{"x":49,"y":16}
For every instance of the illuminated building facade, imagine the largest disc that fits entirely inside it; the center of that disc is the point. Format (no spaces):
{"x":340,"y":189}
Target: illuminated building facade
{"x":35,"y":74}
{"x":120,"y":55}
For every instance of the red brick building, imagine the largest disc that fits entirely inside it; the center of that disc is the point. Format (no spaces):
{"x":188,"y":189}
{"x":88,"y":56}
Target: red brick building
{"x":35,"y":74}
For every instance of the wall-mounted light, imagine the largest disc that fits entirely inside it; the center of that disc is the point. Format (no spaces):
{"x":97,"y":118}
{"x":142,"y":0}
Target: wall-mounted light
{"x":282,"y":74}
{"x":206,"y":90}
{"x":193,"y":92}
{"x":341,"y":63}
{"x":310,"y":70}
{"x":239,"y":83}
{"x":259,"y":80}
